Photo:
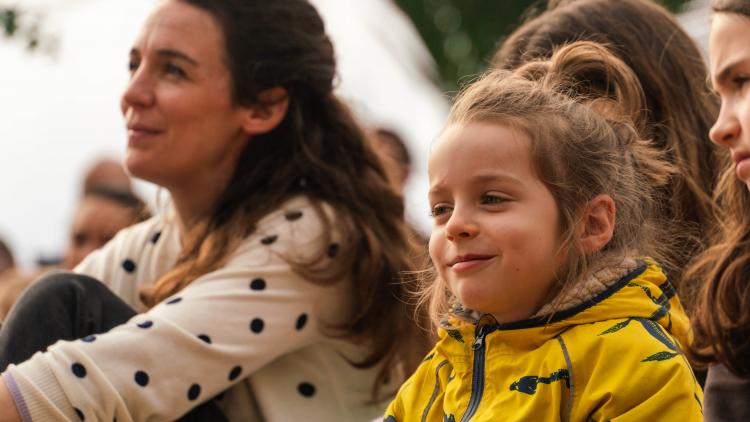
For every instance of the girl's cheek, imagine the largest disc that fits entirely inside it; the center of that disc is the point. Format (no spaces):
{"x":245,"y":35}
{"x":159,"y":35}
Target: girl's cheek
{"x":434,"y":247}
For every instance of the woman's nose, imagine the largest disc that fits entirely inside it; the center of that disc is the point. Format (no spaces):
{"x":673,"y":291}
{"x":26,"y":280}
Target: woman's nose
{"x":139,"y":92}
{"x":727,"y":127}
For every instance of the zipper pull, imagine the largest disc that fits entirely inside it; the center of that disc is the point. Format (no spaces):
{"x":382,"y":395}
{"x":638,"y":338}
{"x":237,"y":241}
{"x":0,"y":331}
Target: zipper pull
{"x":479,"y":338}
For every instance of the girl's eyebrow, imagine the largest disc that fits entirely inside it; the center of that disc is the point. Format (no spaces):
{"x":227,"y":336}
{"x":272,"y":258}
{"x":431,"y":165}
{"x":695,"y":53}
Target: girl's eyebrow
{"x":480,"y":178}
{"x":496,"y":177}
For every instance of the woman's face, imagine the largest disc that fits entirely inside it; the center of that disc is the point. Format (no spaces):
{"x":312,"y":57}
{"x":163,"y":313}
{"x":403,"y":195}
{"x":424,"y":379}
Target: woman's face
{"x":183,"y":128}
{"x":730,"y":74}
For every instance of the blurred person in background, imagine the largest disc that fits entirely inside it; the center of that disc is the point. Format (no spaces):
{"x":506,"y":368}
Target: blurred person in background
{"x":395,"y":155}
{"x":102,"y":212}
{"x":7,"y":261}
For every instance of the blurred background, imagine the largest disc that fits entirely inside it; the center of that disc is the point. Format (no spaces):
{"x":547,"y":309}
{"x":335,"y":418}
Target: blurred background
{"x":63,"y":66}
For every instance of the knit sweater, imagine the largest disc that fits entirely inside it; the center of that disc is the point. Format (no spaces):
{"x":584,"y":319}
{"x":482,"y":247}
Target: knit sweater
{"x":255,"y":328}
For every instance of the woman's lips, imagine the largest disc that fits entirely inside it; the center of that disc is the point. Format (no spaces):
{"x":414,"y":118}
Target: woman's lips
{"x":138,"y":134}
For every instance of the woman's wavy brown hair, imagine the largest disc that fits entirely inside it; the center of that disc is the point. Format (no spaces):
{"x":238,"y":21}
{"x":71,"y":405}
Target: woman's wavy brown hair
{"x":679,"y":107}
{"x":318,"y":151}
{"x":581,"y":109}
{"x":721,"y":320}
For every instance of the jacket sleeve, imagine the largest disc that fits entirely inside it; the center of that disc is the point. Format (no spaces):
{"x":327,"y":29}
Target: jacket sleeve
{"x":192,"y":346}
{"x":633,"y":376}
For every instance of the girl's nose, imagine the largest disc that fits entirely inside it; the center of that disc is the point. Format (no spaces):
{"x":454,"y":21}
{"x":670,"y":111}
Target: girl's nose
{"x":461,"y":225}
{"x":727,"y":127}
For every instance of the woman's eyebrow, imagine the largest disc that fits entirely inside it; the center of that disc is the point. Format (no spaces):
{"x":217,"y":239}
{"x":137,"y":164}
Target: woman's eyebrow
{"x":168,"y":53}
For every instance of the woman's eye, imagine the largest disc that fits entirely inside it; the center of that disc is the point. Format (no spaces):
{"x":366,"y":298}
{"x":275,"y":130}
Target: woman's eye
{"x":133,"y":66}
{"x":174,"y":70}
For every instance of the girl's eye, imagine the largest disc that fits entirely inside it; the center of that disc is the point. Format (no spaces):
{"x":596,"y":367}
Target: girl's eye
{"x":439,"y":210}
{"x":739,"y":81}
{"x":175,"y":70}
{"x":493,"y":199}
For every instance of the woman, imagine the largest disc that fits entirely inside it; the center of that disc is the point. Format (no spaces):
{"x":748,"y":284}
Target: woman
{"x":275,"y":276}
{"x":722,"y":318}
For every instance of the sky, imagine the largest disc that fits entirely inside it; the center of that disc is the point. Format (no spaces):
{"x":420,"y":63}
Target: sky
{"x":59,"y":113}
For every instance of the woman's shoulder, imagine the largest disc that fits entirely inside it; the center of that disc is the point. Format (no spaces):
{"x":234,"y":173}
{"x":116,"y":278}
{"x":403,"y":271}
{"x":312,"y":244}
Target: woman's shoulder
{"x":300,"y":228}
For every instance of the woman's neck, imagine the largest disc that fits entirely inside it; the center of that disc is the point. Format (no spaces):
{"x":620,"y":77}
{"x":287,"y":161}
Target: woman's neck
{"x":192,"y":207}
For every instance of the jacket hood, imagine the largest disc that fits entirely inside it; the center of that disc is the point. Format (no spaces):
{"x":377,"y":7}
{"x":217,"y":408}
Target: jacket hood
{"x":643,"y":294}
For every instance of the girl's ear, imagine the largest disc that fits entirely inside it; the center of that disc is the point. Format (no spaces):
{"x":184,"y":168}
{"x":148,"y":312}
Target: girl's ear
{"x":598,"y":224}
{"x":264,"y":116}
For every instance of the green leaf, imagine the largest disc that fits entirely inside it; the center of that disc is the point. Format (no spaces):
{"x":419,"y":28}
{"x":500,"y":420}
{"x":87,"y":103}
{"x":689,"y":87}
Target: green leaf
{"x":617,"y":327}
{"x":456,"y":335}
{"x":660,"y":356}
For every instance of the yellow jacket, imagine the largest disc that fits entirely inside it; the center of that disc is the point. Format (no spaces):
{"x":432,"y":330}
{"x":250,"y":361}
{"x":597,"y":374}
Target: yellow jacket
{"x":615,"y":357}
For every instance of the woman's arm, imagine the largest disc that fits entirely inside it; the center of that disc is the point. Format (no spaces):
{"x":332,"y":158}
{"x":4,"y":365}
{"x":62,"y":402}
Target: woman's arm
{"x":223,"y":327}
{"x":8,"y":410}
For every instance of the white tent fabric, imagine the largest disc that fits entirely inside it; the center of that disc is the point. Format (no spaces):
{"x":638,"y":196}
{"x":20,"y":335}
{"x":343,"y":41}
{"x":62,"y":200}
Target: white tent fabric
{"x":58,"y":114}
{"x":696,"y":19}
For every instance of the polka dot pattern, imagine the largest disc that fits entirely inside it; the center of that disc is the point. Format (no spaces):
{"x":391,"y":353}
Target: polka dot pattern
{"x":333,"y":250}
{"x":78,"y":370}
{"x":173,"y":301}
{"x":269,"y":240}
{"x":258,"y":284}
{"x":141,"y":378}
{"x":128,"y":265}
{"x":205,"y":338}
{"x":257,"y":325}
{"x":293,"y":215}
{"x":235,"y":373}
{"x":194,"y":392}
{"x":306,"y":389}
{"x":301,"y":322}
{"x":146,"y":325}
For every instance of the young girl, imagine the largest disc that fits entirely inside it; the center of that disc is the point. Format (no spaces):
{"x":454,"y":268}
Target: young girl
{"x":679,"y":108}
{"x":541,"y":193}
{"x":273,"y":282}
{"x":722,"y":317}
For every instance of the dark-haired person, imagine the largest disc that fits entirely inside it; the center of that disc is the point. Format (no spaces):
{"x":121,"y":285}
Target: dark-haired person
{"x":100,"y":214}
{"x":680,"y":107}
{"x":722,"y":318}
{"x":275,"y":277}
{"x":7,"y":261}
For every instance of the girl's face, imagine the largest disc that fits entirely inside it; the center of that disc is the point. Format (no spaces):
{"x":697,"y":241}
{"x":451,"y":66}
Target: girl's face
{"x":495,"y":237}
{"x":182,"y":124}
{"x":730,"y":74}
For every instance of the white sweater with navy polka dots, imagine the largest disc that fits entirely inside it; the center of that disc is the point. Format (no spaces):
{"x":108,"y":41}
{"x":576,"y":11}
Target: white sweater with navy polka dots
{"x":254,"y":328}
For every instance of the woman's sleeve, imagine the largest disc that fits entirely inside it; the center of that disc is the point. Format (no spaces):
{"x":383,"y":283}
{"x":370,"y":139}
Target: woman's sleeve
{"x":197,"y":343}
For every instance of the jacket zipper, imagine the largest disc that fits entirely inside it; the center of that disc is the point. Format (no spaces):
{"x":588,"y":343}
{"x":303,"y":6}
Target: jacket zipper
{"x":477,"y":379}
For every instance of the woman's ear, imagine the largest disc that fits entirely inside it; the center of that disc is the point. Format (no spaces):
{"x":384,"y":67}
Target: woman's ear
{"x":597,"y":224}
{"x":270,"y":110}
